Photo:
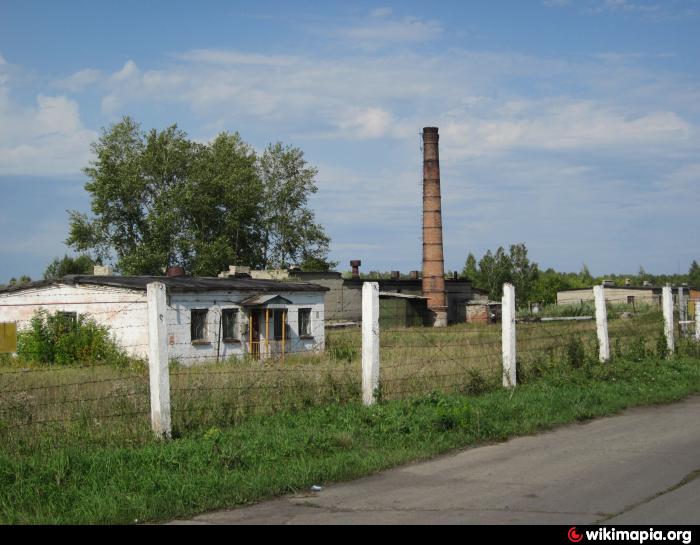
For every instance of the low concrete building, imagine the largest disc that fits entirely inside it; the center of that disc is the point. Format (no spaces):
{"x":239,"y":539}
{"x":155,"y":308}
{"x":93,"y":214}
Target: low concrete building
{"x":625,"y":294}
{"x":402,"y":310}
{"x":613,"y":294}
{"x":343,"y":300}
{"x":207,"y":318}
{"x":483,"y":312}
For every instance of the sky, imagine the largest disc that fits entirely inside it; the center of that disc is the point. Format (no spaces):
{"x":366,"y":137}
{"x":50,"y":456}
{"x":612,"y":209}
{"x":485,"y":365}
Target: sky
{"x":570,"y":125}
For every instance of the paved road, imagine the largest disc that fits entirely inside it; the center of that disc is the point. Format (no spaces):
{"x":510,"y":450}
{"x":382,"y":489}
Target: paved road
{"x":641,"y":467}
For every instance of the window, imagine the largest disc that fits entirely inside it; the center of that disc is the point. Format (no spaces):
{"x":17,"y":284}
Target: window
{"x":66,"y":321}
{"x":277,"y":320}
{"x":198,"y":325}
{"x":305,"y":322}
{"x":229,"y":318}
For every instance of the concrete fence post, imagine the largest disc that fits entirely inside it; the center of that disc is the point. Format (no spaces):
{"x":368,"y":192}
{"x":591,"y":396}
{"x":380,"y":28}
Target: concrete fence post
{"x":601,"y":322}
{"x":683,"y":311}
{"x":667,"y":305}
{"x":158,"y":359}
{"x":370,"y":342}
{"x":510,"y":378}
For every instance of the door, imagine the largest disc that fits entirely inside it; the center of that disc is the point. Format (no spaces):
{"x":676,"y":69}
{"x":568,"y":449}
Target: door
{"x":255,"y":333}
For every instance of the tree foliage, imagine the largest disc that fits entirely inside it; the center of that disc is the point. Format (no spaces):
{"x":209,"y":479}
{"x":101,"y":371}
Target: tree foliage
{"x":531,"y":284}
{"x":58,"y":268}
{"x":159,"y":199}
{"x":496,"y":268}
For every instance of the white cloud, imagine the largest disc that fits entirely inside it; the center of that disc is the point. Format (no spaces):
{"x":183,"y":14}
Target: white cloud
{"x":45,"y":139}
{"x":80,"y":80}
{"x":379,"y":13}
{"x":364,"y":122}
{"x":561,"y":125}
{"x":225,"y":57}
{"x":377,"y":33}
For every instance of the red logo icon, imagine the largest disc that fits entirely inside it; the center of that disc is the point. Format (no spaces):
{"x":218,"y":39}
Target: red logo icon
{"x":574,"y":536}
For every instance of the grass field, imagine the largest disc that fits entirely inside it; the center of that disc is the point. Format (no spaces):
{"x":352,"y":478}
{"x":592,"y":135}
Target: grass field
{"x":76,"y":445}
{"x":458,"y":359}
{"x":79,"y":481}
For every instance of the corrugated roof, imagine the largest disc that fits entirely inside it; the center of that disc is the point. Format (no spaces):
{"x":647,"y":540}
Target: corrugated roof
{"x":175,"y":284}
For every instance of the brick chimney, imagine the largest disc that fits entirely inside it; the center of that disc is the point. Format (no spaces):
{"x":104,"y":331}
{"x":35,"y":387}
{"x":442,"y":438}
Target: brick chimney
{"x":433,"y":261}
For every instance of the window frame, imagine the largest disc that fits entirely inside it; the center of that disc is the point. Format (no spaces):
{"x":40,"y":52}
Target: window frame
{"x":305,"y":333}
{"x":204,"y":313}
{"x":226,"y":314}
{"x":277,"y":331}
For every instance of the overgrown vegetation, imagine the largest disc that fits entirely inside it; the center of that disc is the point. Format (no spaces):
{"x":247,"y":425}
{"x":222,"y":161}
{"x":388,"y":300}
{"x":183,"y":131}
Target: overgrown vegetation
{"x":76,"y":447}
{"x":127,"y":479}
{"x":67,"y":339}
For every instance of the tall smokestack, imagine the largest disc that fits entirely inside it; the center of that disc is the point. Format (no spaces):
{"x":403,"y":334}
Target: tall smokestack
{"x":433,"y":261}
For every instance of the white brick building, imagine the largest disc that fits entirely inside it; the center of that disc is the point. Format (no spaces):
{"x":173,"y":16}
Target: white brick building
{"x":207,"y":318}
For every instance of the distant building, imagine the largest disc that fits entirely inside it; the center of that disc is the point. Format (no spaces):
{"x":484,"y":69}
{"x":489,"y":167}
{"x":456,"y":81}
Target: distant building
{"x":343,"y":300}
{"x":623,"y":294}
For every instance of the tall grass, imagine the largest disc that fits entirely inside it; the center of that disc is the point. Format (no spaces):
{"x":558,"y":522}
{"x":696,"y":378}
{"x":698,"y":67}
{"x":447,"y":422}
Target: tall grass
{"x":104,"y":402}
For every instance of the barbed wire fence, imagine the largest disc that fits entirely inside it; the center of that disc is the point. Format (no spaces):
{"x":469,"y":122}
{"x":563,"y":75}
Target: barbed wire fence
{"x":215,"y":363}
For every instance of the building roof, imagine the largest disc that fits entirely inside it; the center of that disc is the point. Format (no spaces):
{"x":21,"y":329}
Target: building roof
{"x":395,"y":295}
{"x":174,"y":284}
{"x":270,"y":300}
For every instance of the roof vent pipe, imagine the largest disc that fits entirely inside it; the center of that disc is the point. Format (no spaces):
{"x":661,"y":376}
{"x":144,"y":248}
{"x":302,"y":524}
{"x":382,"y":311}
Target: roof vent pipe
{"x":355,"y":264}
{"x":174,"y":272}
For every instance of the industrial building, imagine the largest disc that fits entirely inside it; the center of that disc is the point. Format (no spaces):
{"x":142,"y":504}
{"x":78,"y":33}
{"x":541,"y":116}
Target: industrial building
{"x":426,"y":298}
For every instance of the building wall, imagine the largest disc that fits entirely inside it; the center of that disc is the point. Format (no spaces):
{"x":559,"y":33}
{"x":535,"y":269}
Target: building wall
{"x":179,"y":322}
{"x":343,"y":301}
{"x":616,"y":295}
{"x":125,"y":313}
{"x":122,"y":310}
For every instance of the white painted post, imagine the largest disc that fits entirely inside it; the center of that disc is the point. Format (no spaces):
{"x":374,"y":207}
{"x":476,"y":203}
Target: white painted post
{"x":683,"y":311}
{"x":370,"y":342}
{"x":601,"y":322}
{"x":697,"y":320}
{"x":510,"y":378}
{"x":158,"y":359}
{"x":667,"y":304}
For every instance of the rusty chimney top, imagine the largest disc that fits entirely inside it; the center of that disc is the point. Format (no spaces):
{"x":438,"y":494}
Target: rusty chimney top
{"x":355,"y":264}
{"x":173,"y":272}
{"x":433,"y":260}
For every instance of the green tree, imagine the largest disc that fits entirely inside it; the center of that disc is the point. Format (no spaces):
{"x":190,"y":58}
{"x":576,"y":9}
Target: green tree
{"x":470,"y":270}
{"x":523,"y":273}
{"x":495,"y":269}
{"x":58,"y":268}
{"x":694,"y":275}
{"x":159,"y":199}
{"x":24,"y":279}
{"x":585,"y":276}
{"x":290,"y":234}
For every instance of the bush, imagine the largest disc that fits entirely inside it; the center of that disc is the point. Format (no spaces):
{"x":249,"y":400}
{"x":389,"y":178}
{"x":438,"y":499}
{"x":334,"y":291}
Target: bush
{"x":64,"y":339}
{"x":575,"y":352}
